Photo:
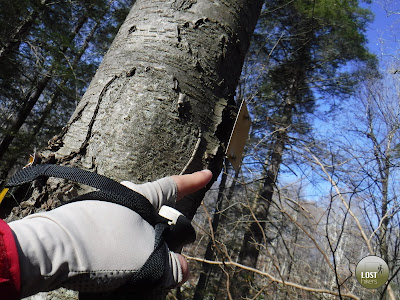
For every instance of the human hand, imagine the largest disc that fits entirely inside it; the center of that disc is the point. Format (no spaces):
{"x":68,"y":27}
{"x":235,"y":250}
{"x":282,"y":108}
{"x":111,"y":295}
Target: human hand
{"x":96,"y":246}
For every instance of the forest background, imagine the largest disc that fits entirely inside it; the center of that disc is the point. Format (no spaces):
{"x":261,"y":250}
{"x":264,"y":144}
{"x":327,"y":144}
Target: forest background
{"x":317,"y":190}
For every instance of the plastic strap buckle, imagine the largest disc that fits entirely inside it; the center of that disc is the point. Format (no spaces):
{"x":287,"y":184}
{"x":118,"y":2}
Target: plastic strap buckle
{"x":180,"y":232}
{"x":169,"y":213}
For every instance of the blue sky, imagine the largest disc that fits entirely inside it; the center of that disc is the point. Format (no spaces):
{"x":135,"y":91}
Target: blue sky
{"x":384,"y":41}
{"x":384,"y":33}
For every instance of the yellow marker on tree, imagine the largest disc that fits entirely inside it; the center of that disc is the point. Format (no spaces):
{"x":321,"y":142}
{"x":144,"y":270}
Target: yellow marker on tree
{"x":32,"y":160}
{"x":3,"y":194}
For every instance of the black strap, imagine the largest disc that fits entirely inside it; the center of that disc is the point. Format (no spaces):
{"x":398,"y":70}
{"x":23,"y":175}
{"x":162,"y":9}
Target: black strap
{"x":109,"y":190}
{"x":152,"y":272}
{"x":154,"y":266}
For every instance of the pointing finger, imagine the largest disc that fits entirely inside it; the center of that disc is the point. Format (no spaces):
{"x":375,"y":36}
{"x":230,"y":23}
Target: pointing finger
{"x":191,"y":183}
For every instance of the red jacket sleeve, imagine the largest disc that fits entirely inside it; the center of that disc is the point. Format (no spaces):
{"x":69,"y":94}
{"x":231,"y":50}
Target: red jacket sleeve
{"x":10,"y":283}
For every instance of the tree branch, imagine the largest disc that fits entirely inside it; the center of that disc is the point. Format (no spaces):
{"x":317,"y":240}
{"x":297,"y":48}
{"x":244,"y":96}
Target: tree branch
{"x":272,"y":278}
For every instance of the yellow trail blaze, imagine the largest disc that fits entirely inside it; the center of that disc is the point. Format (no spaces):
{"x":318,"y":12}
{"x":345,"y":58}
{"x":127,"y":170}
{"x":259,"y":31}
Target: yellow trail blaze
{"x":3,"y":194}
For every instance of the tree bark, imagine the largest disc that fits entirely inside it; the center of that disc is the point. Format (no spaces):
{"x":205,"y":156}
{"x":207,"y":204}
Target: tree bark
{"x":162,"y":100}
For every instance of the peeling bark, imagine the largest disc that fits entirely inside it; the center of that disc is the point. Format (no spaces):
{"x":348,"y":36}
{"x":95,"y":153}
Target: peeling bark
{"x":162,"y":100}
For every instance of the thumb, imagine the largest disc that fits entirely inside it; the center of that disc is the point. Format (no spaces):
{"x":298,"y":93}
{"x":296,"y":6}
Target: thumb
{"x":177,"y":271}
{"x":187,"y":184}
{"x":184,"y":267}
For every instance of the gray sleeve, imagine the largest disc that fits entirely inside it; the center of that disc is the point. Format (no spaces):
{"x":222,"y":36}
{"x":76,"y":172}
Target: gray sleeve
{"x":87,"y":246}
{"x":160,"y":192}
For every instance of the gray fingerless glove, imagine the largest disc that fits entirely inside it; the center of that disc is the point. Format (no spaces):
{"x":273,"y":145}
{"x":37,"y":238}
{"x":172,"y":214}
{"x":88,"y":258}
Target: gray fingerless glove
{"x":91,"y":246}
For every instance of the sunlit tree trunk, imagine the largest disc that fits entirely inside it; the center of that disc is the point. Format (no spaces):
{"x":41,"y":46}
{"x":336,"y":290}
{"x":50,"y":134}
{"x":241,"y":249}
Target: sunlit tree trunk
{"x":162,"y":100}
{"x":254,"y":235}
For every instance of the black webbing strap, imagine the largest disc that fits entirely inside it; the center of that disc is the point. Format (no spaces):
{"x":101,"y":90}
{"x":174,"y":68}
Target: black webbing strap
{"x":154,"y":266}
{"x":109,"y":190}
{"x":152,"y":272}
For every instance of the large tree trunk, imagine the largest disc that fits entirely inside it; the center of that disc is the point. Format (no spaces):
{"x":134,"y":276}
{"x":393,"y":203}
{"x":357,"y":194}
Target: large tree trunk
{"x":292,"y":73}
{"x":162,"y":100}
{"x":254,"y":235}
